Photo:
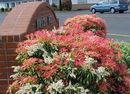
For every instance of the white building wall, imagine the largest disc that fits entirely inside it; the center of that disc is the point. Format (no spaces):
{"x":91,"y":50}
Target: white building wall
{"x":50,"y":2}
{"x":2,"y":5}
{"x":82,"y":1}
{"x":74,"y":1}
{"x":57,"y":1}
{"x":54,"y":1}
{"x":93,"y":1}
{"x":12,"y":4}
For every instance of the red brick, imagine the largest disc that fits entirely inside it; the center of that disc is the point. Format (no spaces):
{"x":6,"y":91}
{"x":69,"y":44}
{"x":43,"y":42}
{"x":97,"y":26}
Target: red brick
{"x":10,"y":38}
{"x":9,"y":74}
{"x":3,"y":82}
{"x":12,"y":64}
{"x":2,"y":45}
{"x":11,"y":45}
{"x":3,"y":64}
{"x":11,"y":51}
{"x":3,"y":91}
{"x":3,"y":88}
{"x":3,"y":70}
{"x":2,"y":51}
{"x":3,"y":76}
{"x":10,"y":70}
{"x":2,"y":58}
{"x":16,"y":38}
{"x":11,"y":81}
{"x":4,"y":39}
{"x":11,"y":57}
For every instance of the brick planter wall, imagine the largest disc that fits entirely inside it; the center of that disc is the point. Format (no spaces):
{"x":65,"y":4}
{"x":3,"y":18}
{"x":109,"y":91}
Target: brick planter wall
{"x":8,"y":45}
{"x":19,"y":22}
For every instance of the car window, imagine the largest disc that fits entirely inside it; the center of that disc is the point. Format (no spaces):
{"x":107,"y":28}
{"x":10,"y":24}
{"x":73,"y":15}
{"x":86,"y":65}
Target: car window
{"x":105,"y":2}
{"x":113,"y":1}
{"x":101,"y":2}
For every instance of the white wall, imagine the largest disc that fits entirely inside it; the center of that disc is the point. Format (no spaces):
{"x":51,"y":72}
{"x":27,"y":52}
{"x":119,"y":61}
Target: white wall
{"x":2,"y":5}
{"x":54,"y":1}
{"x":93,"y":1}
{"x":57,"y":1}
{"x":74,"y":1}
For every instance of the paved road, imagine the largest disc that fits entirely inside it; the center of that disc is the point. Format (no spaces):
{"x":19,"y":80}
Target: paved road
{"x":118,"y":24}
{"x":2,"y":16}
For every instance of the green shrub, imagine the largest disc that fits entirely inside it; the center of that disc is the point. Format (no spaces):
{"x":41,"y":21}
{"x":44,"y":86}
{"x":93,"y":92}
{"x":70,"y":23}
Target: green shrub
{"x":2,"y":9}
{"x":125,"y":48}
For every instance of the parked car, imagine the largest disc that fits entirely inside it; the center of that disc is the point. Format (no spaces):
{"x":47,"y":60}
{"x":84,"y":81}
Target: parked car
{"x":110,"y":6}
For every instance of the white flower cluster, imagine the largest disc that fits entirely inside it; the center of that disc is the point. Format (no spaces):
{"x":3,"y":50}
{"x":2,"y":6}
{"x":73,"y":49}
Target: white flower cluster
{"x":83,"y":91}
{"x":101,"y":72}
{"x":72,"y":74}
{"x":39,"y":46}
{"x":89,"y":60}
{"x":56,"y":87}
{"x":17,"y":70}
{"x":33,"y":48}
{"x":62,"y":31}
{"x":77,"y":89}
{"x":47,"y":59}
{"x":29,"y":89}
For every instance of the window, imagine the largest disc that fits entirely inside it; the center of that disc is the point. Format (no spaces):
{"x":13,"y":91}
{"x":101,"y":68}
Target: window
{"x":12,"y":5}
{"x":56,"y":2}
{"x":105,"y":2}
{"x":82,"y":1}
{"x":18,"y":3}
{"x":24,"y":1}
{"x":7,"y":5}
{"x":50,"y":19}
{"x":47,"y":1}
{"x":113,"y":2}
{"x":41,"y":22}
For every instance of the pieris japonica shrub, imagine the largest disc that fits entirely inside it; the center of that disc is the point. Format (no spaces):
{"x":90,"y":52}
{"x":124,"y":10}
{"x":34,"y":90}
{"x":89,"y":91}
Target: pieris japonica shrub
{"x":84,"y":23}
{"x":59,"y":62}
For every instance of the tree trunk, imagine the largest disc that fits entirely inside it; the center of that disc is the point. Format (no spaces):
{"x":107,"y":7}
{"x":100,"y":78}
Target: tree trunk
{"x":67,"y":5}
{"x":60,"y":5}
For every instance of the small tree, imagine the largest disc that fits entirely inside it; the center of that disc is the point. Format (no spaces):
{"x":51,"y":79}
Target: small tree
{"x":67,"y":5}
{"x":60,"y":5}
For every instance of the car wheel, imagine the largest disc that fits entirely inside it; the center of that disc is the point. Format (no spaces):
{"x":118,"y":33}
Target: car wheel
{"x":121,"y":11}
{"x":112,"y":10}
{"x":93,"y":10}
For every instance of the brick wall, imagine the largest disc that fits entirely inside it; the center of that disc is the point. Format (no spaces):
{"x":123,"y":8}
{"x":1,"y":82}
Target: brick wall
{"x":16,"y":25}
{"x":8,"y":45}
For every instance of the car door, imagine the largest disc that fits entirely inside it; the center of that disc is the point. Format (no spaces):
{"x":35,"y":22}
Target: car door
{"x":102,"y":6}
{"x":105,"y":6}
